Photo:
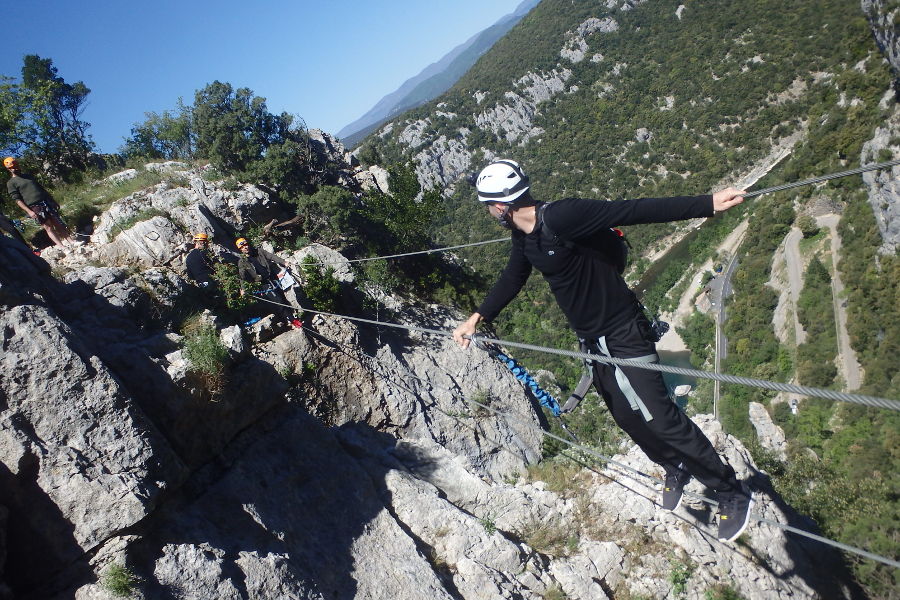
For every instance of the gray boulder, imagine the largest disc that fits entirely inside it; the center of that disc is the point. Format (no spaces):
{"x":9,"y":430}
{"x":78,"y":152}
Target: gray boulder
{"x":149,"y":243}
{"x":292,"y":517}
{"x":78,"y":459}
{"x":771,"y":436}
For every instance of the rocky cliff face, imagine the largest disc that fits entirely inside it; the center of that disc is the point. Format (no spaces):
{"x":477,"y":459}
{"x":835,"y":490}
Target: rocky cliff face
{"x":883,"y":19}
{"x":338,"y":461}
{"x":882,"y":186}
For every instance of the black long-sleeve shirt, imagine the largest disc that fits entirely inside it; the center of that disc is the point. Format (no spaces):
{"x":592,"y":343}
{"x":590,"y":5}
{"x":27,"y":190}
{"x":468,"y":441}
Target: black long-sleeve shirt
{"x":259,"y":266}
{"x":590,"y":291}
{"x":199,"y":266}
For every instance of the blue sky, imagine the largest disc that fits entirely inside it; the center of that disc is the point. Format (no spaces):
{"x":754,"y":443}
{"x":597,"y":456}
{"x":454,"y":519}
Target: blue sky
{"x":328,"y":62}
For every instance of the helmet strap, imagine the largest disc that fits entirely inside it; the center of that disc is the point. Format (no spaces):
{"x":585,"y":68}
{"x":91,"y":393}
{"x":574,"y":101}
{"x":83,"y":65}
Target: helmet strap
{"x":505,"y":218}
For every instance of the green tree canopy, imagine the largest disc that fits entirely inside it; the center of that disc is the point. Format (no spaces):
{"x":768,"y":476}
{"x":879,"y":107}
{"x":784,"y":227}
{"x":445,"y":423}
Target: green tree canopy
{"x":234,"y":128}
{"x":168,"y":135}
{"x":41,"y":119}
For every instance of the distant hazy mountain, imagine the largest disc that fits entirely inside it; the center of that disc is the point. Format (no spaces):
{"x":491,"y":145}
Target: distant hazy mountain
{"x":435,"y":79}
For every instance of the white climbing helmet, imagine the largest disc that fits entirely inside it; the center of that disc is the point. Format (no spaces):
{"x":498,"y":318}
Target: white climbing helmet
{"x":501,"y":181}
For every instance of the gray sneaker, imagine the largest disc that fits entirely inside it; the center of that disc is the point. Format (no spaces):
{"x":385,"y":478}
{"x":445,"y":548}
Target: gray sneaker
{"x":673,"y":489}
{"x":734,"y":512}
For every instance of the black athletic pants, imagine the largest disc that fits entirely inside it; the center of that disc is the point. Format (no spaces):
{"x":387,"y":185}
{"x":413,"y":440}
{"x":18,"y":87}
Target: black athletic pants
{"x":670,"y":437}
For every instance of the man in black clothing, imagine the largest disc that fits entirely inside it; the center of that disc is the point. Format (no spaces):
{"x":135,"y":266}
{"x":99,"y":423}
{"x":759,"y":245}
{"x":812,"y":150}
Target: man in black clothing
{"x":199,"y":263}
{"x":263,"y":268}
{"x":607,"y":317}
{"x":36,"y":202}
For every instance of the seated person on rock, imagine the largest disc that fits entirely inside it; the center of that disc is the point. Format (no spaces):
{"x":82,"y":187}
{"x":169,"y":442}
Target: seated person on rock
{"x":258,"y":266}
{"x":199,"y":262}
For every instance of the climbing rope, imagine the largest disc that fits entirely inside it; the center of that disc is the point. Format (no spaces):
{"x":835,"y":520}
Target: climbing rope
{"x":543,"y":397}
{"x":864,"y":400}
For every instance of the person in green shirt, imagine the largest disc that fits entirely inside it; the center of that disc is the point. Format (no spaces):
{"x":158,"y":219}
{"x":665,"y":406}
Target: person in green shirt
{"x":37,"y":203}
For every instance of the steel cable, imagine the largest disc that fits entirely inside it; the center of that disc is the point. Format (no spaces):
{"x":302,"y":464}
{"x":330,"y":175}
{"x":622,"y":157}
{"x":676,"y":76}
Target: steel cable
{"x":787,"y":186}
{"x":864,"y":400}
{"x":769,"y":190}
{"x":629,"y":471}
{"x":432,"y":251}
{"x":590,"y":451}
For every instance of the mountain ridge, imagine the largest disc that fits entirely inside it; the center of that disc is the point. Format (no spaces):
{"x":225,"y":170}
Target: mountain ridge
{"x":433,"y":79}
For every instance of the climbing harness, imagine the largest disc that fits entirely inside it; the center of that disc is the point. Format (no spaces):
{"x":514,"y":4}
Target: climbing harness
{"x":521,"y":373}
{"x":657,"y":329}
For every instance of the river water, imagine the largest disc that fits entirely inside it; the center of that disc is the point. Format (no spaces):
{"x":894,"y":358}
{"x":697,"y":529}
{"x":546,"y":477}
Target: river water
{"x":677,"y":359}
{"x":678,"y":251}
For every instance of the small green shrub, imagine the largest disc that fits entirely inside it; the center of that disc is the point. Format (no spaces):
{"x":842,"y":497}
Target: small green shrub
{"x":206,"y":354}
{"x":489,"y":525}
{"x":226,"y":276}
{"x":555,"y":593}
{"x":722,"y":592}
{"x":560,"y":477}
{"x":679,"y":575}
{"x":119,"y":580}
{"x":550,"y":537}
{"x":144,"y":215}
{"x":204,"y":349}
{"x":807,"y":225}
{"x":478,"y":403}
{"x":256,"y":234}
{"x":885,"y":154}
{"x":322,"y":289}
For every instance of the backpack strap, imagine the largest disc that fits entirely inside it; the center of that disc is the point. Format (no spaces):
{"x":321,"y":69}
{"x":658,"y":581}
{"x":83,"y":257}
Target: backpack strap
{"x":582,"y":249}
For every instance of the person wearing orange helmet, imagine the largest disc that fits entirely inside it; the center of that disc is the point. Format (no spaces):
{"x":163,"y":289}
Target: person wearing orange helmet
{"x":36,"y":202}
{"x":262,"y":268}
{"x":199,"y":264}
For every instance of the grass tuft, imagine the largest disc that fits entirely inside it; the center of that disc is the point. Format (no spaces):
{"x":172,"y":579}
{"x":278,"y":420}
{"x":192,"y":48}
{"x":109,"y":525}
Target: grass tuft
{"x":119,"y":580}
{"x":207,"y":355}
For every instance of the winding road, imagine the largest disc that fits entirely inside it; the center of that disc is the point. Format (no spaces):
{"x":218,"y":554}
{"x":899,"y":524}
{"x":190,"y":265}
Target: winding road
{"x":848,"y":362}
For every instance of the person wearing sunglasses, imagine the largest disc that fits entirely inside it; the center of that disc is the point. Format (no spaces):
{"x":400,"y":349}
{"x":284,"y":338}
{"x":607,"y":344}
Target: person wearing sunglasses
{"x":262,"y":269}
